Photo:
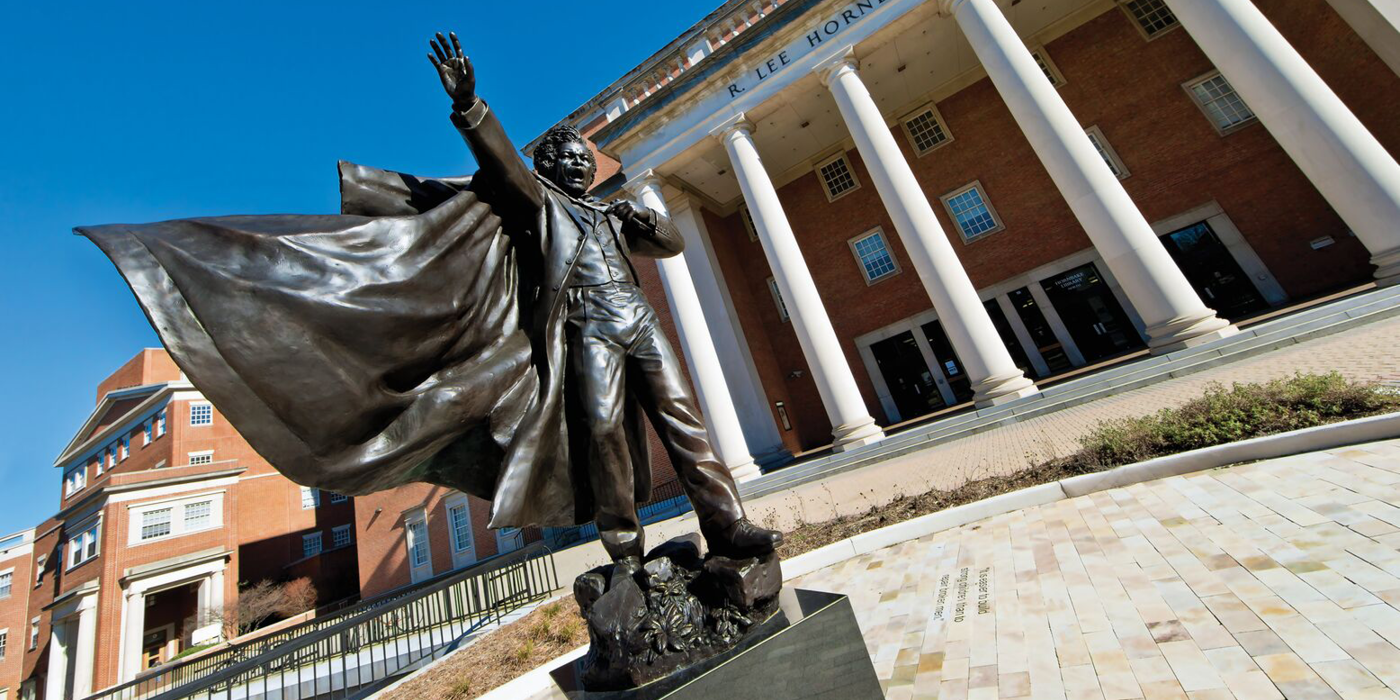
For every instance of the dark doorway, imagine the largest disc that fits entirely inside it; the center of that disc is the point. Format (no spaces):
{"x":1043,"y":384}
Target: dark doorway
{"x":1090,"y":312}
{"x":1213,"y":272}
{"x":1050,"y":348}
{"x":907,"y":375}
{"x":1008,"y":338}
{"x":952,"y":366}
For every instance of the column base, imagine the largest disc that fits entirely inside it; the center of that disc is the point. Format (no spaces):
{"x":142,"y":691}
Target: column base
{"x":1002,"y":388}
{"x":744,"y":472}
{"x":1182,"y":333}
{"x":774,"y":458}
{"x":851,"y":436}
{"x":1387,"y":267}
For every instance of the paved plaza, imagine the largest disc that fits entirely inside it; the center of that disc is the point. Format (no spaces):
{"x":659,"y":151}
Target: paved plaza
{"x":1266,"y":580}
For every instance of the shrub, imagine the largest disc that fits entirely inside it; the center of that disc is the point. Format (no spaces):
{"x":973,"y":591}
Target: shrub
{"x":1224,"y":415}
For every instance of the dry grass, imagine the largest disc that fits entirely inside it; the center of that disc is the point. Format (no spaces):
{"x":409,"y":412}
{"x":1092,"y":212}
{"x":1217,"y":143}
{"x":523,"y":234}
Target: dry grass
{"x":1220,"y":415}
{"x":507,"y":653}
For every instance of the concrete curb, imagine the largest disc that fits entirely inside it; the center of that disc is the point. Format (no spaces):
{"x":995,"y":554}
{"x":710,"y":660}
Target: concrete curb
{"x":1323,"y":437}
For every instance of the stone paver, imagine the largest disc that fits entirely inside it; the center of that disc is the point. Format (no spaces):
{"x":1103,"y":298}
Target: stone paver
{"x":1279,"y":579}
{"x":1365,"y":353}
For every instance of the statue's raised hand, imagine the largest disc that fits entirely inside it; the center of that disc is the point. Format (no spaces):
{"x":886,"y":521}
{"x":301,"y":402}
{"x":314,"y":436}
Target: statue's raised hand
{"x":455,"y":70}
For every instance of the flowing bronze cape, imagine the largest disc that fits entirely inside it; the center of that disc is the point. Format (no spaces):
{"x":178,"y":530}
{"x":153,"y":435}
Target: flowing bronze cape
{"x":397,"y":342}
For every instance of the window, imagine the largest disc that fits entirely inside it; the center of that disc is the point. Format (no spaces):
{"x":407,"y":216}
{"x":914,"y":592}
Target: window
{"x":1110,"y":156}
{"x":837,"y":178}
{"x":310,"y":544}
{"x":7,"y":581}
{"x":778,"y":300}
{"x":971,"y":212}
{"x":173,"y":518}
{"x":201,"y":414}
{"x":417,"y":532}
{"x":873,"y":255}
{"x":99,"y":464}
{"x":75,"y":480}
{"x":155,"y":523}
{"x":4,"y":643}
{"x":339,"y":498}
{"x":747,"y":217}
{"x":1152,"y":16}
{"x":146,"y":430}
{"x":1048,"y":67}
{"x":198,"y":458}
{"x":926,"y":130}
{"x":198,"y":515}
{"x":341,"y":536}
{"x":39,"y":570}
{"x":34,"y":634}
{"x":461,"y":527}
{"x":160,"y":423}
{"x":1218,"y":99}
{"x":310,"y":498}
{"x":82,"y":546}
{"x":111,"y":456}
{"x":125,"y":447}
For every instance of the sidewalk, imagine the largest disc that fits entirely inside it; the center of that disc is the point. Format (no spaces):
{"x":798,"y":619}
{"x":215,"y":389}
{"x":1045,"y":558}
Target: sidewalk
{"x":1366,"y":353}
{"x":1274,"y":579}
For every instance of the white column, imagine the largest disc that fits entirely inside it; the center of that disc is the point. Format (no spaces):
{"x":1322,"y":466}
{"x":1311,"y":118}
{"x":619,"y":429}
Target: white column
{"x":851,"y":423}
{"x":1169,"y":306}
{"x":750,"y":402}
{"x":85,"y":650}
{"x":1328,"y":143}
{"x":134,"y":625}
{"x":994,"y":376}
{"x":60,"y":644}
{"x":726,"y":435}
{"x":1377,"y":22}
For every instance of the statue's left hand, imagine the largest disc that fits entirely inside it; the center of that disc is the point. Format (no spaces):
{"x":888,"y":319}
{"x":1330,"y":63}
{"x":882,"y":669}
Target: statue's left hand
{"x":455,"y":70}
{"x":627,"y":211}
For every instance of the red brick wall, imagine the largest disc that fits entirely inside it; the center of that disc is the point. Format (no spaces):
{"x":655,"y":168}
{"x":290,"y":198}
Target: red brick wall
{"x":1131,"y":89}
{"x":14,"y":617}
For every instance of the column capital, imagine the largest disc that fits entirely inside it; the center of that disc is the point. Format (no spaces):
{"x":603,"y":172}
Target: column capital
{"x":948,"y":7}
{"x":836,"y":64}
{"x":648,"y":179}
{"x":735,"y":124}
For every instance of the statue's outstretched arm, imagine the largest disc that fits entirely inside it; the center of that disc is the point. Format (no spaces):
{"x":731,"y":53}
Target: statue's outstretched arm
{"x":514,"y":188}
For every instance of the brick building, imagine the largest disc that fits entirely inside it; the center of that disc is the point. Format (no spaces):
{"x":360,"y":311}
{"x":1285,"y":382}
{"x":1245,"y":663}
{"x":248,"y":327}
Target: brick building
{"x":164,"y":510}
{"x":16,"y":570}
{"x":897,"y":206}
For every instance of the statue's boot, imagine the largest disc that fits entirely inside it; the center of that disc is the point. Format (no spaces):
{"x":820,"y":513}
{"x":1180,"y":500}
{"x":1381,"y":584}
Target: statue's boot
{"x":743,"y":539}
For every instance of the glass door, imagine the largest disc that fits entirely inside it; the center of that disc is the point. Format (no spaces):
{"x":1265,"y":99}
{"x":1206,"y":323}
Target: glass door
{"x":907,"y":376}
{"x":1008,"y":338}
{"x":1091,"y":313}
{"x":1049,"y":346}
{"x":1213,"y":272}
{"x":948,"y":361}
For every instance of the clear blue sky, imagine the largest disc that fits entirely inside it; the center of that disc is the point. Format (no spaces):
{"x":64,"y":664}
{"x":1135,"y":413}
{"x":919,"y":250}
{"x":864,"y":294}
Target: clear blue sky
{"x":141,"y":111}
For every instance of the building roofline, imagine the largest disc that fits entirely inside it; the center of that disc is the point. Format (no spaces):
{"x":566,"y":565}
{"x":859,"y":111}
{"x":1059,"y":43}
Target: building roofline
{"x":697,"y":30}
{"x":79,"y":444}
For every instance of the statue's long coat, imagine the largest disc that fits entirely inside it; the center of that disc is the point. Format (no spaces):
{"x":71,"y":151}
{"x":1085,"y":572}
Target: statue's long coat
{"x":412,"y":338}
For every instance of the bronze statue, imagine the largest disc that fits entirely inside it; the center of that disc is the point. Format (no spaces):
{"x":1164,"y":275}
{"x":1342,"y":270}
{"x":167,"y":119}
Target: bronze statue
{"x":485,"y":334}
{"x":618,"y":358}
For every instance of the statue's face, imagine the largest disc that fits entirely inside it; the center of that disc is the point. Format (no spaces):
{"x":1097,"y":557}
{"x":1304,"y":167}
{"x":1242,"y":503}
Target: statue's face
{"x":573,"y":168}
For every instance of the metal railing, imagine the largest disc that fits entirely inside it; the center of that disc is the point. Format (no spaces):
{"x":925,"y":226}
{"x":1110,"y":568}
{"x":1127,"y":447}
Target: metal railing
{"x":361,"y":648}
{"x":667,"y":500}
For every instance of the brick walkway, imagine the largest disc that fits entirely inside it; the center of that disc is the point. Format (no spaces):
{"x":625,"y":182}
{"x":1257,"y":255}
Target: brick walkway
{"x":1274,"y":579}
